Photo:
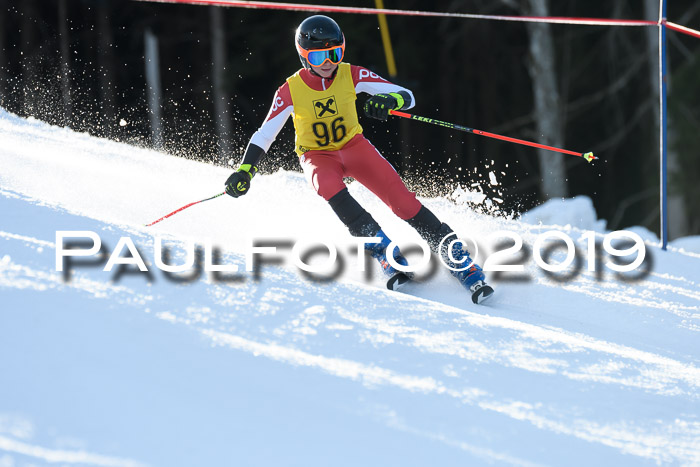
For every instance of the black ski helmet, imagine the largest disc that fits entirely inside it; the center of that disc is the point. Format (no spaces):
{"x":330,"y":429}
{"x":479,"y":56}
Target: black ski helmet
{"x":318,"y":32}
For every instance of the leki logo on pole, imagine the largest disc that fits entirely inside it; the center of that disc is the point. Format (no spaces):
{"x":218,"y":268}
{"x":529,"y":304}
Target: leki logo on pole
{"x":325,"y":107}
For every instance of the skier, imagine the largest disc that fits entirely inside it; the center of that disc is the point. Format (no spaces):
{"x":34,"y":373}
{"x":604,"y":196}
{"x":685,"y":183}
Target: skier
{"x":320,"y":97}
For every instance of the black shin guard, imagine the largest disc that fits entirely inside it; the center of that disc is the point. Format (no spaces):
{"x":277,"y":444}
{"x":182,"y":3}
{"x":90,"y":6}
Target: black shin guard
{"x":429,"y":227}
{"x":358,"y":221}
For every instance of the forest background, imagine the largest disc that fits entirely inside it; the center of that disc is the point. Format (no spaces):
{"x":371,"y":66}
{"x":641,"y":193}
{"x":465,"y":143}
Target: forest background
{"x":197,"y":81}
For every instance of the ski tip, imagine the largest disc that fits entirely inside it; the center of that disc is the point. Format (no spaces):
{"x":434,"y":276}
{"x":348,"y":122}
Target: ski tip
{"x":397,"y":280}
{"x":482,"y":294}
{"x":588,"y":156}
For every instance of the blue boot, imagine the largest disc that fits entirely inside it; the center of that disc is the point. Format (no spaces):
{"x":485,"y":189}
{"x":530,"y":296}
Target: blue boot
{"x":395,"y":277}
{"x":471,"y":277}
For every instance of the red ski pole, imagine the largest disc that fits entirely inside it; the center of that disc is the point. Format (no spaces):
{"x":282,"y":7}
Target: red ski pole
{"x":183,"y":208}
{"x":588,"y":156}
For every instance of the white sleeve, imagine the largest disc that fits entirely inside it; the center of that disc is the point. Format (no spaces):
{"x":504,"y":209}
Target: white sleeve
{"x":268,"y":131}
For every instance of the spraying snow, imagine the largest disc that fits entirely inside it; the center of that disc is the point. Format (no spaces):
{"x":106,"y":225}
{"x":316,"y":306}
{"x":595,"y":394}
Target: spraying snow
{"x":131,"y":368}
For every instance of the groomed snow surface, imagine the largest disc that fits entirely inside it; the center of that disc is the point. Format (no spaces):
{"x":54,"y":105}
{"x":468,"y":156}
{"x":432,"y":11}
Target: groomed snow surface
{"x":141,"y":369}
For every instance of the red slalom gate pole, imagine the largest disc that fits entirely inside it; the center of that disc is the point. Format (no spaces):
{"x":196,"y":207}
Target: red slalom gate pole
{"x":588,"y":156}
{"x":683,"y":29}
{"x":183,"y":208}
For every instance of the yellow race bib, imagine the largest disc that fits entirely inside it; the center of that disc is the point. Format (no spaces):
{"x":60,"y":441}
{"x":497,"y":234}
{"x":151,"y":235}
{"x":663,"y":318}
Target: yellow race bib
{"x":324,"y":120}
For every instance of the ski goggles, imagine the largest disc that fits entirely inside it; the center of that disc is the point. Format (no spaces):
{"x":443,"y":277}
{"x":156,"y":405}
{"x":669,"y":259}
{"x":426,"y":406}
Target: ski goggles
{"x":319,"y":56}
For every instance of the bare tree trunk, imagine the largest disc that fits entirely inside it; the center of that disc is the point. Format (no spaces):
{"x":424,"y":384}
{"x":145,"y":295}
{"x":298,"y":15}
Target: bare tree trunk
{"x":30,"y":104}
{"x":105,"y":66}
{"x":676,"y":209}
{"x":651,"y":13}
{"x":222,"y":114}
{"x":549,"y":116}
{"x":153,"y":88}
{"x":65,"y":63}
{"x":3,"y":60}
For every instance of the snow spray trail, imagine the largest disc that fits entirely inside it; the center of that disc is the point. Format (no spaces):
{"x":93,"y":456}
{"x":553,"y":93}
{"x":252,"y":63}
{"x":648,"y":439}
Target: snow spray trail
{"x":588,"y":369}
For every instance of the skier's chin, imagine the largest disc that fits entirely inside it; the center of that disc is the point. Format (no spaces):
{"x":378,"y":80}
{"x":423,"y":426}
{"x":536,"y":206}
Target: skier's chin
{"x":325,"y":72}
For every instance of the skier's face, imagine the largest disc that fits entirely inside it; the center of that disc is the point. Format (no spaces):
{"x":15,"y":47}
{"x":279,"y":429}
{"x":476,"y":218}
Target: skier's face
{"x":326,"y":70}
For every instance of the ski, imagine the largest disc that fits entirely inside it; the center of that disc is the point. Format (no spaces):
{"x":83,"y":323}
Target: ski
{"x":481,"y":292}
{"x":396,"y":281}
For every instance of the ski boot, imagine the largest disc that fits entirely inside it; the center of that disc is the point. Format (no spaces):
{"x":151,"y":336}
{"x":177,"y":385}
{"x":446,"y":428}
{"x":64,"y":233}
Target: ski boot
{"x":396,"y":278}
{"x":472,"y":277}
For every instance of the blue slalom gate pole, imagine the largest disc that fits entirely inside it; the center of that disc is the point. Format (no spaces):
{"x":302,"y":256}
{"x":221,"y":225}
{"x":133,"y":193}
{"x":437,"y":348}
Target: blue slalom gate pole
{"x":663,"y":124}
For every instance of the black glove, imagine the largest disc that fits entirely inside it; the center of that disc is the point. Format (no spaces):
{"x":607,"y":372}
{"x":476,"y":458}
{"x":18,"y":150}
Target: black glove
{"x":378,"y":106}
{"x":239,"y":181}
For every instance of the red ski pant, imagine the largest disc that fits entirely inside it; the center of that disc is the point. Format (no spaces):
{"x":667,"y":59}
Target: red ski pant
{"x":360,"y":160}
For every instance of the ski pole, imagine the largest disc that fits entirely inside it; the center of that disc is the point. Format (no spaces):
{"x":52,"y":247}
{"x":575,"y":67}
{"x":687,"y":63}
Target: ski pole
{"x":588,"y":156}
{"x":184,"y":207}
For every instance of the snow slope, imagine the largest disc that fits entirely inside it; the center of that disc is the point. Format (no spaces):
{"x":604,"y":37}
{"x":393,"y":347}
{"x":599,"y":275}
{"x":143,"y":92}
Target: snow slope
{"x":142,"y":369}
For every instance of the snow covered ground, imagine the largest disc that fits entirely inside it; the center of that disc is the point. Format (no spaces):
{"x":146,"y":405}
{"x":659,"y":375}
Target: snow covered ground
{"x":145,"y":369}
